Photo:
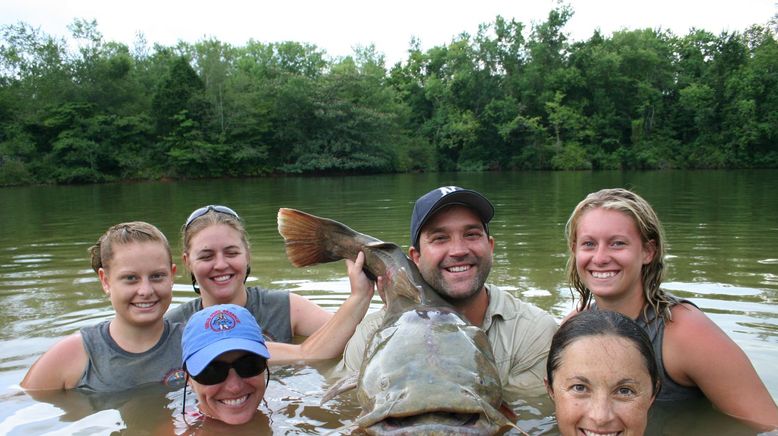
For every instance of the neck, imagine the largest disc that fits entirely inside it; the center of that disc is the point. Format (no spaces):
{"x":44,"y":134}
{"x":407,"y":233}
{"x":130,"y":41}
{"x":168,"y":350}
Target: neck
{"x":629,"y":305}
{"x":134,"y":338}
{"x":240,"y":298}
{"x":474,"y":307}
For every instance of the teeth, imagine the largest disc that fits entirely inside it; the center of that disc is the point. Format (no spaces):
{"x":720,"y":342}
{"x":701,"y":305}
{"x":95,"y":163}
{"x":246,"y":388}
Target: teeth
{"x":459,"y":268}
{"x":236,"y":401}
{"x":223,"y":278}
{"x":602,"y":275}
{"x":592,"y":433}
{"x":143,"y":305}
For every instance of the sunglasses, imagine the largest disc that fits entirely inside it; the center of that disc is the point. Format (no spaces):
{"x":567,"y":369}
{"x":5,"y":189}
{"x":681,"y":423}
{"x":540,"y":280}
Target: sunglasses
{"x":250,"y":365}
{"x":205,"y":209}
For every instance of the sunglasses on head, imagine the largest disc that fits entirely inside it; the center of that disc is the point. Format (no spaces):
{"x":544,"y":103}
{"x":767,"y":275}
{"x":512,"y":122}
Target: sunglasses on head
{"x":205,"y":209}
{"x":250,"y":365}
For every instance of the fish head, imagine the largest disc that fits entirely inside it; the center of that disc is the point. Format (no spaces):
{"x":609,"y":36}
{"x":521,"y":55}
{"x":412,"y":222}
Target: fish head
{"x":430,"y":372}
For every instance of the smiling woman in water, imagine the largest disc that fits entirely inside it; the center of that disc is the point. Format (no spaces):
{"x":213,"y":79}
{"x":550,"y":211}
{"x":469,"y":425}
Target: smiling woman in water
{"x":602,"y":375}
{"x":225,"y":359}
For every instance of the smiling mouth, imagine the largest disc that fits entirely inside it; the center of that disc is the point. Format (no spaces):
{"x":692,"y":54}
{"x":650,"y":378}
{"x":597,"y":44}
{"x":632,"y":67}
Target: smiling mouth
{"x":603,"y":274}
{"x":235,"y":402}
{"x":458,"y":268}
{"x":144,"y":305}
{"x":595,"y":433}
{"x":222,"y":278}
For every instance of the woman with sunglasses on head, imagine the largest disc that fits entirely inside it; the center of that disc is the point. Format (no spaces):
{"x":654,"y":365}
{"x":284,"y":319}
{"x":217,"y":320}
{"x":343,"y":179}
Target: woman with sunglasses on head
{"x":138,"y":345}
{"x":217,"y":253}
{"x":225,"y":360}
{"x":617,"y":262}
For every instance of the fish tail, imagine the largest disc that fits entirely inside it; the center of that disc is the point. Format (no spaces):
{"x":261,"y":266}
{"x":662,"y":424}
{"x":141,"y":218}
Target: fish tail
{"x":310,"y":239}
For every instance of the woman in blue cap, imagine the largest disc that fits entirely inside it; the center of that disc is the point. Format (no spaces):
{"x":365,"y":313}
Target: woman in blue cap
{"x":225,"y":357}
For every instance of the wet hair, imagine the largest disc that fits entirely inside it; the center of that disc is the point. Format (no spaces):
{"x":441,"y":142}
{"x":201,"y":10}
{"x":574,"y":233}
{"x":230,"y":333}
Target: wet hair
{"x":602,"y":323}
{"x":212,"y":217}
{"x":651,"y":232}
{"x":121,"y":234}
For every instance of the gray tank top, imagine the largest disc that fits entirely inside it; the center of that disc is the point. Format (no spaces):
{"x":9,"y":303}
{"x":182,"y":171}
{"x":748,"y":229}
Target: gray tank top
{"x":654,"y":326}
{"x":110,"y":368}
{"x":270,"y":308}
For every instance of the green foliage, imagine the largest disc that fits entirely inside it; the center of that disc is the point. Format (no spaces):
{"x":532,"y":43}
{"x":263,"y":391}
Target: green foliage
{"x":507,"y":97}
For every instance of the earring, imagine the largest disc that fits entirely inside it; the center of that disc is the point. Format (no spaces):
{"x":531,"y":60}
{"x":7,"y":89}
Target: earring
{"x":194,"y":285}
{"x":248,"y":271}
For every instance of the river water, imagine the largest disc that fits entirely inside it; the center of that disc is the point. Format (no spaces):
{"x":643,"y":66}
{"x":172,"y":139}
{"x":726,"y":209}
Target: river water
{"x":721,"y":227}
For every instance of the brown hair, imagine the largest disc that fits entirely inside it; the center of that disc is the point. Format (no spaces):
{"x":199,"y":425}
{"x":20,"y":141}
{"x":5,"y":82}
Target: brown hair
{"x":135,"y":231}
{"x":650,"y":229}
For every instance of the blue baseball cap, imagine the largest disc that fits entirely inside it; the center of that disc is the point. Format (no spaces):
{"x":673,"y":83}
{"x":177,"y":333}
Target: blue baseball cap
{"x":431,"y":202}
{"x":216,"y":330}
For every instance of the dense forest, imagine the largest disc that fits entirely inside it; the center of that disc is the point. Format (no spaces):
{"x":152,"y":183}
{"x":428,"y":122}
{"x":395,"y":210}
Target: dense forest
{"x":85,"y":110}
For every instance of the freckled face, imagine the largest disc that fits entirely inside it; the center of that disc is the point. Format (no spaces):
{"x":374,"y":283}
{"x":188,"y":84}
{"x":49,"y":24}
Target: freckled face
{"x":601,"y":388}
{"x":219,"y":261}
{"x":610,"y":254}
{"x":236,"y":399}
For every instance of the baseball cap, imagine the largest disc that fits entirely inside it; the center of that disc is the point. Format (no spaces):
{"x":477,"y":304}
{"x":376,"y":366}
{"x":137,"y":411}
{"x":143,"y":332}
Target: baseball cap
{"x":219,"y":329}
{"x":433,"y":201}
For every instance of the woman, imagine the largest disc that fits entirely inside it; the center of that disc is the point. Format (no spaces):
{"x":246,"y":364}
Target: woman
{"x":602,"y":375}
{"x":216,"y":252}
{"x":225,"y":360}
{"x":137,"y":346}
{"x":616,"y":262}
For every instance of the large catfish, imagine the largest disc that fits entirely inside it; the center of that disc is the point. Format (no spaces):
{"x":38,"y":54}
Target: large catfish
{"x":426,"y":370}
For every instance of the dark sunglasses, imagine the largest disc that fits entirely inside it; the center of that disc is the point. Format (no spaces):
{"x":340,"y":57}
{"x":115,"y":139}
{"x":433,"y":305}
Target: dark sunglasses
{"x":250,"y":365}
{"x":205,"y":209}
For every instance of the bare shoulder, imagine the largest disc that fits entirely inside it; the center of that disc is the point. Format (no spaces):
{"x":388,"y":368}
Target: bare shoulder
{"x":690,"y":324}
{"x":692,"y":342}
{"x":60,"y":367}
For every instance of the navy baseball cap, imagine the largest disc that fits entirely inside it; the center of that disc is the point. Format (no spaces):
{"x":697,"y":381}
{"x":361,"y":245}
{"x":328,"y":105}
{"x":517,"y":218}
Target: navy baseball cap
{"x":438,"y":198}
{"x":216,"y":330}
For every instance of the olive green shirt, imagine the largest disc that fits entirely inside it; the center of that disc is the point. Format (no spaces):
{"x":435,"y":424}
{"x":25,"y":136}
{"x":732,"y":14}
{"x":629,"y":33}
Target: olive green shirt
{"x":520,"y":334}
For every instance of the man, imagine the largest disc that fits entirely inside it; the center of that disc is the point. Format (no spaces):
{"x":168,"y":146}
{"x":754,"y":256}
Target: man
{"x":451,"y":246}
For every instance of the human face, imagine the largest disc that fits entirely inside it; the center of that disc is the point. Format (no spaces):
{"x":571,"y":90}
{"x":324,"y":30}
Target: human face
{"x":455,"y":253}
{"x":609,"y":257}
{"x":219,"y":261}
{"x":601,"y":387}
{"x":139,"y":282}
{"x":236,"y":399}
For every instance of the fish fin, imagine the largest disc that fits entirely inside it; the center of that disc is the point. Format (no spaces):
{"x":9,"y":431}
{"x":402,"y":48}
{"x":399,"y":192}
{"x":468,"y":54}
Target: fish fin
{"x":303,"y":238}
{"x":343,"y":385}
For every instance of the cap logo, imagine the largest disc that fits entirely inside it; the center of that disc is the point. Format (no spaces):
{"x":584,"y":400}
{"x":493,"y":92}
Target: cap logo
{"x":445,"y":190}
{"x":222,"y":321}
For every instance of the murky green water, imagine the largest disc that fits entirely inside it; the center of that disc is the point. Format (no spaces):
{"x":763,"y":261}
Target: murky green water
{"x":722,"y":227}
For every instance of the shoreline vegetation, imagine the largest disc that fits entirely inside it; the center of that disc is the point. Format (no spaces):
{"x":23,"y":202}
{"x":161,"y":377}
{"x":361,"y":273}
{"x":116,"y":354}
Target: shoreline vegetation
{"x":510,"y":97}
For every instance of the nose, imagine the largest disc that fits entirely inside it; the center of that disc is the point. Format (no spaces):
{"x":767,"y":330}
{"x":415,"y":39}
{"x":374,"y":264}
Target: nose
{"x":145,"y":287}
{"x":458,"y":247}
{"x":233,"y":382}
{"x":601,"y":410}
{"x":601,"y":255}
{"x":221,"y":262}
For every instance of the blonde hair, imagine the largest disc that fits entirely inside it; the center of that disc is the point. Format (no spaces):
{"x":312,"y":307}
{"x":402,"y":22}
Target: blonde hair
{"x":120,"y":234}
{"x":651,"y":232}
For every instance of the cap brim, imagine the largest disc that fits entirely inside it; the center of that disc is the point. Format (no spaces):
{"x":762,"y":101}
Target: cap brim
{"x":200,"y":359}
{"x":462,"y":197}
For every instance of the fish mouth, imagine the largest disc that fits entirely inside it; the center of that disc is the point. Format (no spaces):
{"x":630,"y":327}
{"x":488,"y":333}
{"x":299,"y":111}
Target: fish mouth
{"x":434,"y":423}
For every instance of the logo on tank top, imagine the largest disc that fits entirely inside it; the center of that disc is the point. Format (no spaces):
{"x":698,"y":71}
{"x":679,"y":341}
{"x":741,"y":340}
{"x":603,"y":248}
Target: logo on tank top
{"x":174,"y":378}
{"x":222,"y":321}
